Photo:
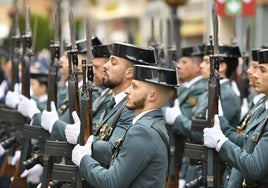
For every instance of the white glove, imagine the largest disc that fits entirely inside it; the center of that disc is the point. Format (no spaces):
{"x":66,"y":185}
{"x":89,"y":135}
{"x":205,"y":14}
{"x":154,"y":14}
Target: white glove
{"x":79,"y":152}
{"x":33,"y":174}
{"x":15,"y":159}
{"x":173,"y":112}
{"x":49,"y":118}
{"x":72,"y":131}
{"x":12,"y":99}
{"x":27,"y":107}
{"x":182,"y":183}
{"x":3,"y":88}
{"x":213,"y":137}
{"x":220,"y":110}
{"x":2,"y":150}
{"x":90,"y":140}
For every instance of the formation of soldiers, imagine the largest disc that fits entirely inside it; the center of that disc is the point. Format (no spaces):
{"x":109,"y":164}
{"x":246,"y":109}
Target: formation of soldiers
{"x":108,"y":115}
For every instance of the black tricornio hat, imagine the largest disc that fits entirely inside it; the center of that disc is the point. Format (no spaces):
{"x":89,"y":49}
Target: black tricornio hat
{"x":95,"y":41}
{"x":156,"y":75}
{"x":82,"y":44}
{"x":102,"y":50}
{"x":193,"y":51}
{"x":225,"y":51}
{"x":254,"y":54}
{"x":41,"y":76}
{"x":134,"y":53}
{"x":263,"y":56}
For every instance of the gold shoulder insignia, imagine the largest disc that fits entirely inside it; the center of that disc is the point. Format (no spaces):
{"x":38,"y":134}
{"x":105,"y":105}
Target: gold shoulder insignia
{"x":110,"y":92}
{"x":192,"y":100}
{"x":193,"y":87}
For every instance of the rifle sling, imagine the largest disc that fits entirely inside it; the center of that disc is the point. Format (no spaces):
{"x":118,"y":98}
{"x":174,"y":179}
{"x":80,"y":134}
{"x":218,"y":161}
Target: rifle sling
{"x":167,"y":145}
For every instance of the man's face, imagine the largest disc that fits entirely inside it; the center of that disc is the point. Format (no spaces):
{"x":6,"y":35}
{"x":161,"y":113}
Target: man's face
{"x":261,"y":79}
{"x":136,"y":95}
{"x":253,"y":67}
{"x":187,"y":69}
{"x":37,"y":88}
{"x":205,"y":67}
{"x":98,"y":69}
{"x":114,"y":71}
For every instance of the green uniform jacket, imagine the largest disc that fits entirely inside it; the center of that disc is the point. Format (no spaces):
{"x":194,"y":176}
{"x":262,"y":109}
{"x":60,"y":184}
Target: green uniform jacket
{"x":231,"y":131}
{"x":99,"y":107}
{"x":119,"y":117}
{"x":231,"y":109}
{"x":58,"y":131}
{"x":188,"y":96}
{"x":142,"y":160}
{"x":250,"y":160}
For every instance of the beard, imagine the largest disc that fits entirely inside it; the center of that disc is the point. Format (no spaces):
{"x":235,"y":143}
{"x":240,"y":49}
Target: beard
{"x":110,"y":84}
{"x":139,"y":104}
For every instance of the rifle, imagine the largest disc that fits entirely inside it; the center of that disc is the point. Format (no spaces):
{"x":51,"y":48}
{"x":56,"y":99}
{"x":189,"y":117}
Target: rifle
{"x":86,"y":96}
{"x":209,"y":158}
{"x":176,"y":141}
{"x":32,"y":131}
{"x":63,"y":172}
{"x":73,"y":72}
{"x":86,"y":93}
{"x":152,"y":42}
{"x":25,"y":90}
{"x":244,"y":79}
{"x":11,"y":118}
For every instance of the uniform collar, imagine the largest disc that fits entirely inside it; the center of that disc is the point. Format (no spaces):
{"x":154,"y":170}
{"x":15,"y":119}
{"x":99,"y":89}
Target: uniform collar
{"x":257,"y":98}
{"x":140,"y":115}
{"x":190,"y":83}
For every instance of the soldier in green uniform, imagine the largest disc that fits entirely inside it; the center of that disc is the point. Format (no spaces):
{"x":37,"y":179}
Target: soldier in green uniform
{"x":101,"y":54}
{"x":183,"y":124}
{"x":140,"y":158}
{"x":232,"y":132}
{"x":249,"y":161}
{"x":117,"y":76}
{"x":192,"y":86}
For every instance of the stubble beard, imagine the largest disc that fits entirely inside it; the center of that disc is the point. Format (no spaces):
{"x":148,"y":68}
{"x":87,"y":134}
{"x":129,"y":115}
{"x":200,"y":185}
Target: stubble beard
{"x":139,"y":104}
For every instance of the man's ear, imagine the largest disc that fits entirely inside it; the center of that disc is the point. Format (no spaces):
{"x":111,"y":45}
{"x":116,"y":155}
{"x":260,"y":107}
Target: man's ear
{"x":153,"y":96}
{"x":129,"y":73}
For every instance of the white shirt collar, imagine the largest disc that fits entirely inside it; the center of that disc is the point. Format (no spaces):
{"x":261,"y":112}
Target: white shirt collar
{"x":190,"y":83}
{"x":257,"y":98}
{"x":223,"y":80}
{"x":42,"y":98}
{"x":119,"y":97}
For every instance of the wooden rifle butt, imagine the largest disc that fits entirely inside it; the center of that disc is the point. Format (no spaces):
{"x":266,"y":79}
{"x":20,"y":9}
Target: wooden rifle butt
{"x":7,"y":170}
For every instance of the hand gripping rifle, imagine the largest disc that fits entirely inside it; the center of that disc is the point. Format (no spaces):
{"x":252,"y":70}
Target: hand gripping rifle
{"x":25,"y":90}
{"x":86,"y":96}
{"x":64,"y":172}
{"x":210,"y":163}
{"x":38,"y":132}
{"x":11,"y":117}
{"x":60,"y":172}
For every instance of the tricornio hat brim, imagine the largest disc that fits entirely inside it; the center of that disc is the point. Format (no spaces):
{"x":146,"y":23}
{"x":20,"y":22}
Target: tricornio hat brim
{"x":156,"y":75}
{"x":135,"y":54}
{"x":263,"y":56}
